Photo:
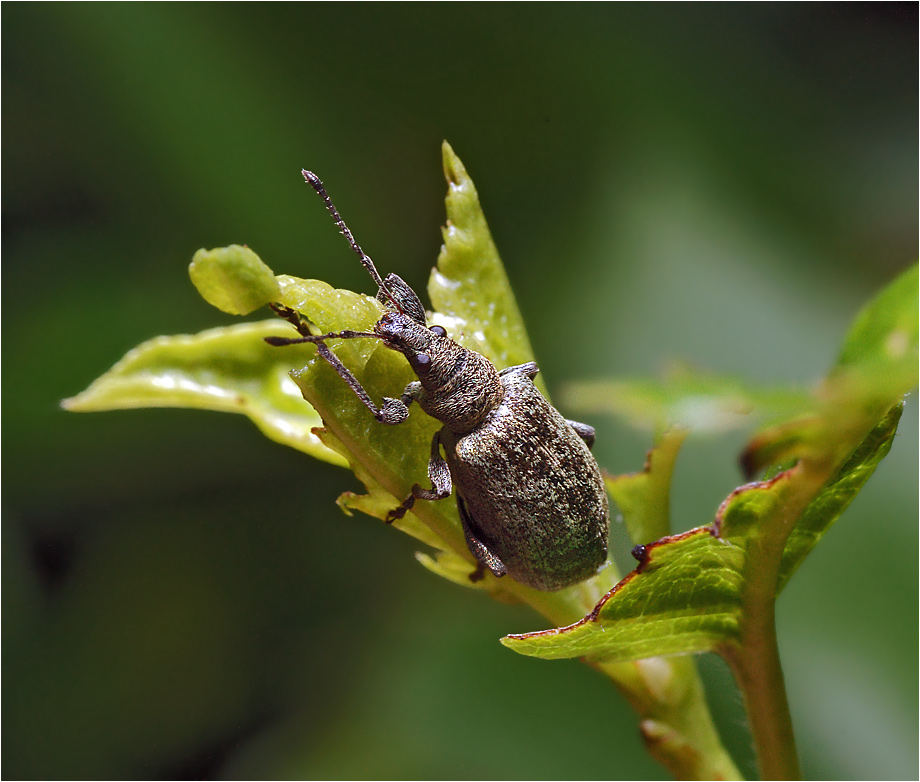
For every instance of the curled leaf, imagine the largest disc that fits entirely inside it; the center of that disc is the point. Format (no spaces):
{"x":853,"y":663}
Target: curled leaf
{"x":234,"y":279}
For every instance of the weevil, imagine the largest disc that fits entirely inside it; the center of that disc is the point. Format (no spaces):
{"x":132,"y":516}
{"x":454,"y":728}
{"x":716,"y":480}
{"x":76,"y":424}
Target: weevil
{"x":531,"y":498}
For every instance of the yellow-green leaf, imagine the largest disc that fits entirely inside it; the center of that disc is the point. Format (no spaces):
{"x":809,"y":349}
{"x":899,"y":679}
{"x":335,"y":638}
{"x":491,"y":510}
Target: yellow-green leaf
{"x":234,"y":279}
{"x":230,"y":369}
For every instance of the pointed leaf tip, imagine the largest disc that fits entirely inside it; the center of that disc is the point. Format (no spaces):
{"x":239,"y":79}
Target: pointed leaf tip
{"x":454,"y":170}
{"x":885,"y":330}
{"x":469,"y":283}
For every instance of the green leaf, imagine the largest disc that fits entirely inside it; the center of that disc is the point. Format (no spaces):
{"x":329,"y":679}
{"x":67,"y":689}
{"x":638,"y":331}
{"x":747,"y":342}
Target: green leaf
{"x":377,"y":502}
{"x":469,"y":281}
{"x":230,"y":370}
{"x":691,"y":592}
{"x":688,"y":400}
{"x":387,"y":459}
{"x":878,"y":364}
{"x":644,"y":497}
{"x":885,"y":331}
{"x":473,"y":300}
{"x":234,"y":369}
{"x":390,"y":459}
{"x":456,"y":569}
{"x":687,"y":595}
{"x":234,"y":279}
{"x":686,"y":598}
{"x":827,"y":507}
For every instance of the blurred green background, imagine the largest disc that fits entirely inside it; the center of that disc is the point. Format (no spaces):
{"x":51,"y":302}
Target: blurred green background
{"x":724,"y":184}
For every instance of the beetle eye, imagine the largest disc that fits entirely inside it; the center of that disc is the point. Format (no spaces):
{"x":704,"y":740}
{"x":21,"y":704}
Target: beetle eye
{"x":421,"y":360}
{"x":439,"y":330}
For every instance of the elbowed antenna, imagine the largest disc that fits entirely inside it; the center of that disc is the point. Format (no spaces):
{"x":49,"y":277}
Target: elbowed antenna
{"x":393,"y":411}
{"x":316,"y":183}
{"x":293,"y":317}
{"x":404,"y":301}
{"x":315,"y":338}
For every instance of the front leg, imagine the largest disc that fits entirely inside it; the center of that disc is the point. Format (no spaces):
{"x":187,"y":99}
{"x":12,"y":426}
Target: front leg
{"x":395,"y":411}
{"x":392,"y":411}
{"x":438,"y":474}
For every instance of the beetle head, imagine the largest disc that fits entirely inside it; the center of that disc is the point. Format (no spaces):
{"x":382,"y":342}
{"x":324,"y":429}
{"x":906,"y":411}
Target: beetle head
{"x":425,"y":348}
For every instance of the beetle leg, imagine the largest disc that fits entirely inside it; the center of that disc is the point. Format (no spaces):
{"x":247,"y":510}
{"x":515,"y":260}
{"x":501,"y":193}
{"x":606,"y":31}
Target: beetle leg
{"x":484,"y":557}
{"x":392,"y":411}
{"x":411,"y":393}
{"x":584,"y":431}
{"x":293,"y":317}
{"x":438,"y":473}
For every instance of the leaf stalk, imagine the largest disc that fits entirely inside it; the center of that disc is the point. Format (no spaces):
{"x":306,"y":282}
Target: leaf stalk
{"x":755,"y":658}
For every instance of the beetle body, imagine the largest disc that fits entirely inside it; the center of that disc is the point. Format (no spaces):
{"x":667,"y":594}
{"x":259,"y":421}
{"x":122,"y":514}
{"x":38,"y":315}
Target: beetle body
{"x":530,"y":494}
{"x":546,"y":521}
{"x":531,"y":498}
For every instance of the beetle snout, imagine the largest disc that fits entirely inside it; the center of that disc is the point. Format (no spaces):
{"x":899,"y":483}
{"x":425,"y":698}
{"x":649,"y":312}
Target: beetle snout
{"x":389,"y":327}
{"x":400,"y":331}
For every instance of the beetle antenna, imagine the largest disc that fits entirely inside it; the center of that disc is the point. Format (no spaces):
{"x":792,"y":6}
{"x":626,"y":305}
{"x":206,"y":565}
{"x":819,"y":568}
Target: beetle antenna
{"x":317,"y":338}
{"x":392,"y":412}
{"x":316,"y":183}
{"x":293,"y":317}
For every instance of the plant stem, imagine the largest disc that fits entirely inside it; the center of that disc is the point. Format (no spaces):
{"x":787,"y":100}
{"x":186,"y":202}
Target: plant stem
{"x":755,"y":662}
{"x":754,"y":659}
{"x":666,"y":693}
{"x":675,"y":722}
{"x":757,"y":670}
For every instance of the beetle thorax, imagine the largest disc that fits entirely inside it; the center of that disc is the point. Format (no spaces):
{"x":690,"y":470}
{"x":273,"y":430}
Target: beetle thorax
{"x":465,"y":392}
{"x":459,"y":387}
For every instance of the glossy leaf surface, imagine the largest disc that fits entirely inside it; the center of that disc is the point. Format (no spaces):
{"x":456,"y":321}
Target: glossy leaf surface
{"x":230,"y":370}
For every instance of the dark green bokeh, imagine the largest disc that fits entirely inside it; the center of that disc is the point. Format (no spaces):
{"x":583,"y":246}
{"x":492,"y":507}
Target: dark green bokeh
{"x":724,"y":184}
